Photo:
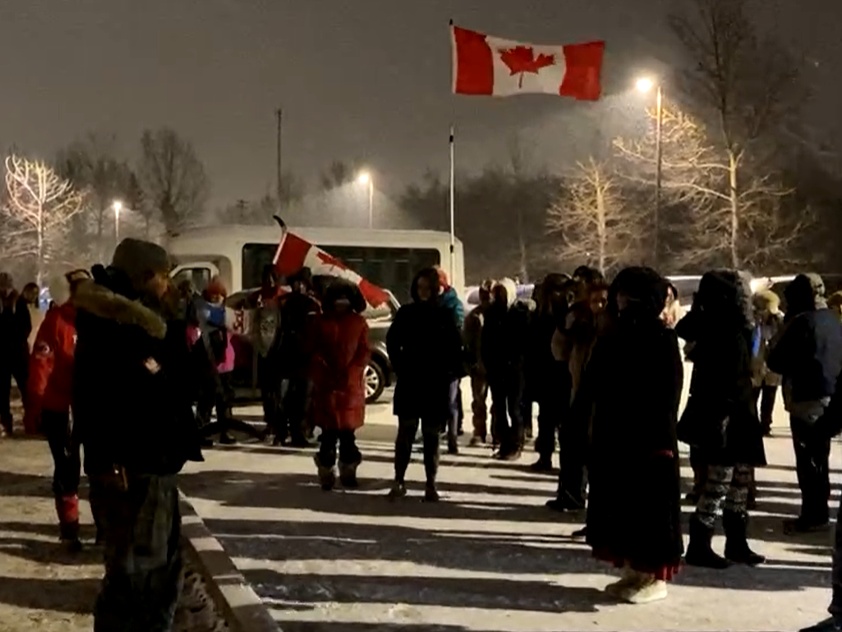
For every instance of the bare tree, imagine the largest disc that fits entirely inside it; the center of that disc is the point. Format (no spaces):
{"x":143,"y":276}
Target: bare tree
{"x":596,"y":223}
{"x":337,"y":174}
{"x":707,"y":222}
{"x":92,"y":164}
{"x":39,"y":207}
{"x":172,"y":179}
{"x":747,"y":88}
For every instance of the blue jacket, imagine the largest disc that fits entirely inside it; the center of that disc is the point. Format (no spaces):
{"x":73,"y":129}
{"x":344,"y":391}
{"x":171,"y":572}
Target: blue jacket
{"x":450,"y":301}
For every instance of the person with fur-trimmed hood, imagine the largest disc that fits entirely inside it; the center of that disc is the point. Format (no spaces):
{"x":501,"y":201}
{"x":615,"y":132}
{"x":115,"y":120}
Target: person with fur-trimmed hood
{"x":15,"y":327}
{"x":49,"y":393}
{"x":340,"y":353}
{"x":633,"y":382}
{"x":808,"y":353}
{"x":720,"y":420}
{"x":504,"y":344}
{"x":425,"y":348}
{"x":132,"y":410}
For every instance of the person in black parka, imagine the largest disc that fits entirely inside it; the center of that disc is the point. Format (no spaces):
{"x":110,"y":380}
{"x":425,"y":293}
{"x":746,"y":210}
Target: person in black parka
{"x":720,"y":420}
{"x":808,"y":354}
{"x":425,"y":348}
{"x":634,"y":381}
{"x":132,"y":412}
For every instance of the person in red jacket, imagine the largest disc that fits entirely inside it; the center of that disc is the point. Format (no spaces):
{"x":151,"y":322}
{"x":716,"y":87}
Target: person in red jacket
{"x":49,"y":394}
{"x":340,"y":353}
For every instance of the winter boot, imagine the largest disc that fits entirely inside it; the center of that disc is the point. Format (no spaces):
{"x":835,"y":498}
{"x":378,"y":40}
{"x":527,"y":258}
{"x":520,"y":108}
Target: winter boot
{"x":348,"y":474}
{"x":67,"y":508}
{"x":699,"y":551}
{"x":431,"y":494}
{"x":398,"y":490}
{"x":736,"y":544}
{"x":543,"y":464}
{"x":327,"y":475}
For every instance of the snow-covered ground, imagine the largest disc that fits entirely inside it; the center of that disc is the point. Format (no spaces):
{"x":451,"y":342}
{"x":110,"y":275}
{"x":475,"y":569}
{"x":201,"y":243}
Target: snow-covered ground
{"x":489,"y":558}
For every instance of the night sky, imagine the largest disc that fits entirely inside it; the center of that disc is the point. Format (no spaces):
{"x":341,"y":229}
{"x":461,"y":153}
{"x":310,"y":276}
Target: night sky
{"x":361,"y":79}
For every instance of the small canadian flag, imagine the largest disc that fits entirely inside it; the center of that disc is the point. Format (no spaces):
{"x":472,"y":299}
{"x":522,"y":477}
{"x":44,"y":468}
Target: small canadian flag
{"x":487,"y":65}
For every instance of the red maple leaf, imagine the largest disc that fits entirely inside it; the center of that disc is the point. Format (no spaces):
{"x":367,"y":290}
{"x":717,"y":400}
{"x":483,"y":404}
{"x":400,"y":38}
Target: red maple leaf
{"x":522,"y":59}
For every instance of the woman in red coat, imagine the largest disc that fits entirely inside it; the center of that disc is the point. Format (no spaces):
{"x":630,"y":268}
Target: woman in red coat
{"x":340,"y":353}
{"x":48,"y":406}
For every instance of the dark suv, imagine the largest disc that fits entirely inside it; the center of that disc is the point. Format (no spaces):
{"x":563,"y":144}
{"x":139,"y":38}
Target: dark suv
{"x":378,"y":374}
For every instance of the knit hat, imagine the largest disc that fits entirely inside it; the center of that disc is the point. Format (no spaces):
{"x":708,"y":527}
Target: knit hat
{"x":767,"y":299}
{"x":140,"y":260}
{"x":216,"y":288}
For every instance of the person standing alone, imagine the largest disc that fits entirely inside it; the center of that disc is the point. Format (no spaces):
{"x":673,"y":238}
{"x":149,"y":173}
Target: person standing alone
{"x":15,"y":327}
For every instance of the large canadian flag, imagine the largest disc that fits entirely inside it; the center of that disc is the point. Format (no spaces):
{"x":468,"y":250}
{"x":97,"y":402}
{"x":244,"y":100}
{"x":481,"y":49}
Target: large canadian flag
{"x":487,"y":65}
{"x":295,"y":253}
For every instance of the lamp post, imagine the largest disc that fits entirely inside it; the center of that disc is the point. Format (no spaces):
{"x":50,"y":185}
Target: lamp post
{"x":645,"y":85}
{"x":117,"y":205}
{"x":366,"y":179}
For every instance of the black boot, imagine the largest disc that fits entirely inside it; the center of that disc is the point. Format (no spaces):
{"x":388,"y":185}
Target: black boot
{"x":327,"y":475}
{"x":736,"y":543}
{"x":699,"y":551}
{"x":348,"y":475}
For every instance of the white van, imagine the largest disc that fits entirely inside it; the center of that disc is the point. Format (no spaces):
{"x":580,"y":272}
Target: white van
{"x":387,"y":258}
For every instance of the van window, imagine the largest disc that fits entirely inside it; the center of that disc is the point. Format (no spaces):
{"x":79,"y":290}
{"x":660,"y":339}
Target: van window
{"x":198,"y":277}
{"x":389,"y":268}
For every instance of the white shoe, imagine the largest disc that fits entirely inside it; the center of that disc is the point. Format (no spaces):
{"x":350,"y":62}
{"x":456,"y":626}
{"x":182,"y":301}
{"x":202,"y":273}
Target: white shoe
{"x":648,"y":591}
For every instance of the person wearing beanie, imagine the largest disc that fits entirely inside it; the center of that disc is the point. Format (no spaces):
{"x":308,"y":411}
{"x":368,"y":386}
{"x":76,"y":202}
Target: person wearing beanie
{"x":214,"y":340}
{"x":299,"y":310}
{"x":15,"y":327}
{"x":49,"y":393}
{"x":808,"y":354}
{"x":133,"y":415}
{"x":768,"y":323}
{"x":504,"y":344}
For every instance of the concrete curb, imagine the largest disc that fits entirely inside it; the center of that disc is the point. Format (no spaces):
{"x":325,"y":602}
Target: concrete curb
{"x":237,"y":602}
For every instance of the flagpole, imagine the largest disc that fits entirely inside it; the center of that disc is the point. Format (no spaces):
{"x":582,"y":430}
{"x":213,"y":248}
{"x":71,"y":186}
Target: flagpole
{"x":452,"y":206}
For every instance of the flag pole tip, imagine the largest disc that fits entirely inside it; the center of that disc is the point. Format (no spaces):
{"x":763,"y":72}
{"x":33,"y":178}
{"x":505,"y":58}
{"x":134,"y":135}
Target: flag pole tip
{"x":451,"y":21}
{"x":281,"y":222}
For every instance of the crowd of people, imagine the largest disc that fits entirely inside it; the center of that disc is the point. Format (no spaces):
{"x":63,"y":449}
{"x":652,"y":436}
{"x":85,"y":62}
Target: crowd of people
{"x":127,"y":359}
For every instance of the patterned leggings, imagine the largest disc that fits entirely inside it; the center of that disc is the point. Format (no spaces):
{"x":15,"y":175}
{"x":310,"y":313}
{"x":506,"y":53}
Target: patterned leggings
{"x":725,"y":487}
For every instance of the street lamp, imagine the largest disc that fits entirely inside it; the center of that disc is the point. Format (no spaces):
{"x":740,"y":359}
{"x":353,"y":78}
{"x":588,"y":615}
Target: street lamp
{"x":645,"y":85}
{"x":117,"y":205}
{"x":366,"y":179}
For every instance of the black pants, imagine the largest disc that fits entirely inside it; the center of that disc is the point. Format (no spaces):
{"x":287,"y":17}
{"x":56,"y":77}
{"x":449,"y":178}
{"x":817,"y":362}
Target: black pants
{"x":219,"y":394}
{"x":812,"y":465}
{"x":142,"y":528}
{"x":271,"y":392}
{"x":573,"y":455}
{"x":295,"y":402}
{"x":67,"y":469}
{"x":349,"y":453}
{"x":18,"y":369}
{"x":507,"y":407}
{"x":836,"y":575}
{"x":407,"y":428}
{"x":765,"y":396}
{"x":550,"y":411}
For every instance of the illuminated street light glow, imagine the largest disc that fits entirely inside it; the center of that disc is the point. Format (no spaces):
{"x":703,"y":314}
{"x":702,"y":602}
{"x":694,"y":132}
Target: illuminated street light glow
{"x":364,"y":177}
{"x":644,"y":84}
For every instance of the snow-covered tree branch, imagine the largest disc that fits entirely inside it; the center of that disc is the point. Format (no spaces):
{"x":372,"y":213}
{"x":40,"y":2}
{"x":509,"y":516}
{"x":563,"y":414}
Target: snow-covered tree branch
{"x":38,"y":208}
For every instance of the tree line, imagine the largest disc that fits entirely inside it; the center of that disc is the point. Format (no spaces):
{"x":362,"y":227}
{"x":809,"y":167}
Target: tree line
{"x":740,"y":184}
